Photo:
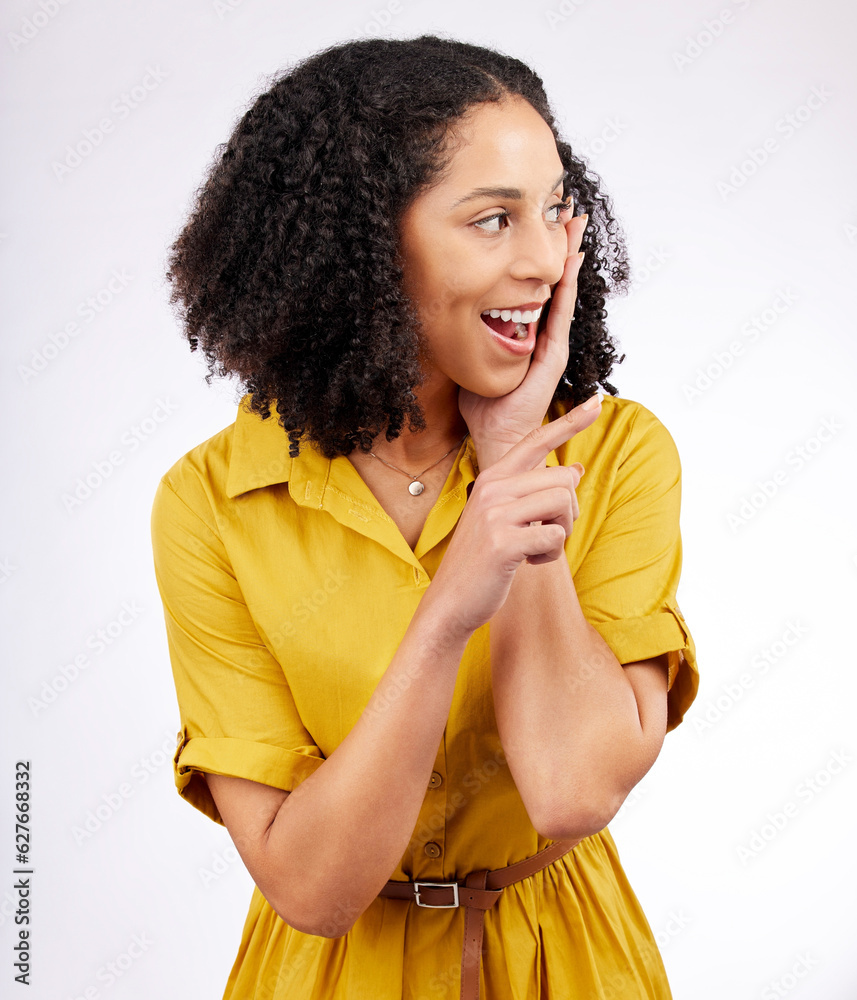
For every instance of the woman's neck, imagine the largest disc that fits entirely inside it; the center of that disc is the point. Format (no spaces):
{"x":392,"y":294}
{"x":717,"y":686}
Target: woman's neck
{"x":445,"y":427}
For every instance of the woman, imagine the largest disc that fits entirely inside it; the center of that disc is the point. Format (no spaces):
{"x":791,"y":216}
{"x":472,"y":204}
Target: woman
{"x":385,"y":760}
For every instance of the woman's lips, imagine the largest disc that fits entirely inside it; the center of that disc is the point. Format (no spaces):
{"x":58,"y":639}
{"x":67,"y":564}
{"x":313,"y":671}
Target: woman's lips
{"x":518,"y":347}
{"x":506,"y":328}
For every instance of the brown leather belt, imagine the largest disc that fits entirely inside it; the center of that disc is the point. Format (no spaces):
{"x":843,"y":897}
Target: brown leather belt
{"x":478,"y":891}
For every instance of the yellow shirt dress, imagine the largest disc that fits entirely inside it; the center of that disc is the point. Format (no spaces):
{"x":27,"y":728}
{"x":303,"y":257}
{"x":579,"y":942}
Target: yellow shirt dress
{"x":287,"y":590}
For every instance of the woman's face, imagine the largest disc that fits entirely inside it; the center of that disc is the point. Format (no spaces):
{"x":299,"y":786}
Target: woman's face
{"x":487,"y":237}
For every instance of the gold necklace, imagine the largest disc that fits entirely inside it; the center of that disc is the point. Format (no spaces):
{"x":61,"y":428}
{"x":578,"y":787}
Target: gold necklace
{"x":416,"y":487}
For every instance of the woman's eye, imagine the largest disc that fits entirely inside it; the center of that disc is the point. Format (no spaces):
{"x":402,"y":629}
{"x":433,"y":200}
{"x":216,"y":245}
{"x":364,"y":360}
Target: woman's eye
{"x":488,"y":223}
{"x":491,"y":218}
{"x":559,"y":208}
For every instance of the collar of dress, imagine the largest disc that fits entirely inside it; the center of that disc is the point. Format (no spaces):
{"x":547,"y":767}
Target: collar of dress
{"x":260,"y":457}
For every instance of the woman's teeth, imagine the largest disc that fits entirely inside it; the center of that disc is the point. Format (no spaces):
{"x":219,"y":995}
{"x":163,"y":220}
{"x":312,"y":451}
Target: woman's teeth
{"x":516,"y":315}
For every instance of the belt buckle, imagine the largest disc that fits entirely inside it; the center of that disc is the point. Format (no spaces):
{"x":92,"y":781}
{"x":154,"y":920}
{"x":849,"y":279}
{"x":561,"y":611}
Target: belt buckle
{"x":437,"y":885}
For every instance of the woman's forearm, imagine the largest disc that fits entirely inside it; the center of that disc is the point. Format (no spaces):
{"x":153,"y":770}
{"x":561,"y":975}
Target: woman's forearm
{"x":341,"y":833}
{"x":566,"y":712}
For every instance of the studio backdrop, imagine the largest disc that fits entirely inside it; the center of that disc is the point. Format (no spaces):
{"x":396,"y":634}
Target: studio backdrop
{"x":724,"y":133}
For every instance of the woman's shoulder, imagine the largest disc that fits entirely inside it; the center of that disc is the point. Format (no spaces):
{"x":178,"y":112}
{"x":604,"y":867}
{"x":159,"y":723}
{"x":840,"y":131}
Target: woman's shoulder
{"x":619,"y":411}
{"x":624,"y":427}
{"x":200,"y":478}
{"x":250,"y":452}
{"x":204,"y":466}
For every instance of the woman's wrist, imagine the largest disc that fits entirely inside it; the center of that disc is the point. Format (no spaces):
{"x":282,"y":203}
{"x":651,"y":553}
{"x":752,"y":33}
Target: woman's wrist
{"x":437,"y":617}
{"x":489,"y":452}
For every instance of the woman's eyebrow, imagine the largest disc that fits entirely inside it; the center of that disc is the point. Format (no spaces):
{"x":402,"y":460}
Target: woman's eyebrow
{"x":501,"y":192}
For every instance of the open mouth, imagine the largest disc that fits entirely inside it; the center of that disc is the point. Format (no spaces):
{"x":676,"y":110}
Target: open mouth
{"x":506,"y":328}
{"x":513,"y":323}
{"x":519,"y":346}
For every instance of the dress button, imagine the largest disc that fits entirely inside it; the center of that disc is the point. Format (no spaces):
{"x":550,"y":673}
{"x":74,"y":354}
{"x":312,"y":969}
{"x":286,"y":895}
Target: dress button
{"x":436,"y":780}
{"x":432,"y":850}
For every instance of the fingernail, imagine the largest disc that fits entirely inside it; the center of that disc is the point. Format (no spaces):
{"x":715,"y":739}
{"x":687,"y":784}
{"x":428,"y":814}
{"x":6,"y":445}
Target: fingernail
{"x":590,"y":404}
{"x":585,"y":219}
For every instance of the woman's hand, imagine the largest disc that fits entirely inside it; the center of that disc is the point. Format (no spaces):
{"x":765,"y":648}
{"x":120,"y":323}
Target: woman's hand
{"x":499,"y":527}
{"x":495,"y":424}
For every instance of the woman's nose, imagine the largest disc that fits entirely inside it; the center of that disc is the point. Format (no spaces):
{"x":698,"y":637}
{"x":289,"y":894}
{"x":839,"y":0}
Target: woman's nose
{"x":539,"y":251}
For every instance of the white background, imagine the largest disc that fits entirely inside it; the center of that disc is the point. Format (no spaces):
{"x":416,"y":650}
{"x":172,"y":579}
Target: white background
{"x":739,"y":842}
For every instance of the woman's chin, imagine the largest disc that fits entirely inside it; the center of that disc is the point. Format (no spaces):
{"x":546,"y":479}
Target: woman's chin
{"x":499,"y":385}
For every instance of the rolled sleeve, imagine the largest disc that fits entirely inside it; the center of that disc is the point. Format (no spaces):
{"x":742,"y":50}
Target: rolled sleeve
{"x":237,"y":713}
{"x":260,"y":762}
{"x":628,"y":580}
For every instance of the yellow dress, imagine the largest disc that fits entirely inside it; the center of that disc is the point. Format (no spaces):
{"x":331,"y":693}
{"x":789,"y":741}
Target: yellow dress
{"x":286,"y":591}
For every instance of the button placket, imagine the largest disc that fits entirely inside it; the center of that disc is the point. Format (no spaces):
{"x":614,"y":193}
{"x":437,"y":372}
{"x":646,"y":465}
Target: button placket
{"x":430,"y":843}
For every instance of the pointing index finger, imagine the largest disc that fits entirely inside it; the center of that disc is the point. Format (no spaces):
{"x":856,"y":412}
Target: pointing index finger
{"x":534,"y":448}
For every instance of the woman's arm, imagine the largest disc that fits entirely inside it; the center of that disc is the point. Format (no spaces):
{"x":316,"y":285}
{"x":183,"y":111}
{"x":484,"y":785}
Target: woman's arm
{"x":322,"y":853}
{"x":578,"y":729}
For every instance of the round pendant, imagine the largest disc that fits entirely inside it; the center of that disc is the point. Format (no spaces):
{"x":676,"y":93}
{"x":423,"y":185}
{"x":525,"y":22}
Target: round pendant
{"x":415,"y":488}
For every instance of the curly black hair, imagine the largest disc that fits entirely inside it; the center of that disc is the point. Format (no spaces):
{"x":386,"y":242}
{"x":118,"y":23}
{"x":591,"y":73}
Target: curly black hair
{"x":301,"y":299}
